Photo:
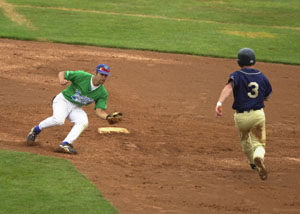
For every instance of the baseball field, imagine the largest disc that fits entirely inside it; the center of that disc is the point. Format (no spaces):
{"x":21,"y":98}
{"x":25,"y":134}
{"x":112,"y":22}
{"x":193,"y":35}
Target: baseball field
{"x":169,"y":62}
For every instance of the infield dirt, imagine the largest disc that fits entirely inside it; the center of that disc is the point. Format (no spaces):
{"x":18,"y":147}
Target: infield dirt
{"x":178,"y":157}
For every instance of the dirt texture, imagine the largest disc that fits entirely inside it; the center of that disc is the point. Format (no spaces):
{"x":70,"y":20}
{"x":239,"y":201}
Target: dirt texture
{"x":178,"y":157}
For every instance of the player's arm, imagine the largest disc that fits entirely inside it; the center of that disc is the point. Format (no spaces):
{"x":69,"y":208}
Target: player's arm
{"x":61,"y":78}
{"x":268,"y":90}
{"x":111,"y":118}
{"x":223,"y":96}
{"x":101,"y":113}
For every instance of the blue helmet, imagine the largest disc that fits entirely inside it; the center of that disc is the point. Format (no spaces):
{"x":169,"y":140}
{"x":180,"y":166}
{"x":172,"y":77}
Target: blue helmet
{"x":103,"y":69}
{"x":246,"y":56}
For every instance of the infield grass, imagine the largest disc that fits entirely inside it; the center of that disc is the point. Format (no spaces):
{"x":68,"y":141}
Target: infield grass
{"x":208,"y":28}
{"x":34,"y":184}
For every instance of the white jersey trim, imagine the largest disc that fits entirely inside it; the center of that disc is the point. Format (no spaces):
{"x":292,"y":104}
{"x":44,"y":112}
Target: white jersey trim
{"x":92,"y":85}
{"x":249,"y":73}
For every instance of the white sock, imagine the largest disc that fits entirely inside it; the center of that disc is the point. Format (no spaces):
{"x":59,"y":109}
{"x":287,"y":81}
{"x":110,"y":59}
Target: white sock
{"x":259,"y":153}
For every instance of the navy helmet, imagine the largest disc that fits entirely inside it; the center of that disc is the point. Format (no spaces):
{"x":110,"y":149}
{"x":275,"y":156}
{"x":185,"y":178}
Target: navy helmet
{"x":246,"y":57}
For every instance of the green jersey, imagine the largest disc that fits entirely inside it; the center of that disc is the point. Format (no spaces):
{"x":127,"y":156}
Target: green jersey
{"x":80,"y":90}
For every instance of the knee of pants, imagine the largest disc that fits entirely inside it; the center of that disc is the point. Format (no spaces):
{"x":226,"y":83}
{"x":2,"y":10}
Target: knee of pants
{"x":59,"y":121}
{"x":86,"y":125}
{"x":83,"y":123}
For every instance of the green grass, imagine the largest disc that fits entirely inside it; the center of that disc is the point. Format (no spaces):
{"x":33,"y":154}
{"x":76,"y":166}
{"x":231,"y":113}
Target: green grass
{"x":209,"y":28}
{"x":32,"y":184}
{"x":37,"y":184}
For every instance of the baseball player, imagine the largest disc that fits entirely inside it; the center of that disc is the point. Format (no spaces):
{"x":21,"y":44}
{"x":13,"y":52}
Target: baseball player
{"x":250,"y":88}
{"x":84,"y":89}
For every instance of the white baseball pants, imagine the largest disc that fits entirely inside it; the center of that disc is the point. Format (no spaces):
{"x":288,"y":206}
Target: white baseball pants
{"x":62,"y":109}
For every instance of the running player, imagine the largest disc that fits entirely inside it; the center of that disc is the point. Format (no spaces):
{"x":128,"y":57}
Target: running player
{"x":250,"y":89}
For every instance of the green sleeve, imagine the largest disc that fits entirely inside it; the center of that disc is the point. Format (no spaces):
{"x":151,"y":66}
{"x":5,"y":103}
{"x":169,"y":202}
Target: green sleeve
{"x":102,"y":102}
{"x":72,"y":75}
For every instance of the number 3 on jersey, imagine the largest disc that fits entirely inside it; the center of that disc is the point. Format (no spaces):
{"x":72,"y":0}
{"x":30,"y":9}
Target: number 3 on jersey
{"x":254,"y":89}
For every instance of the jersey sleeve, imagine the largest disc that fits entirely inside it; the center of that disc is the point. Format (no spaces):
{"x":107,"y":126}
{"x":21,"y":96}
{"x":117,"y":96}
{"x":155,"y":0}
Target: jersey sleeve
{"x":73,"y":75}
{"x":102,"y":102}
{"x":268,"y":90}
{"x":234,"y":79}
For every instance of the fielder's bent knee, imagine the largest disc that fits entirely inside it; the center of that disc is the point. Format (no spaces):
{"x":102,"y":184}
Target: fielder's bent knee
{"x":83,"y":123}
{"x":59,"y":122}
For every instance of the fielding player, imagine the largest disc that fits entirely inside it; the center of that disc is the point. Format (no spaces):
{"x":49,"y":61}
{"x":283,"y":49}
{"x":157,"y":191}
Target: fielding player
{"x":84,"y":89}
{"x":250,"y":89}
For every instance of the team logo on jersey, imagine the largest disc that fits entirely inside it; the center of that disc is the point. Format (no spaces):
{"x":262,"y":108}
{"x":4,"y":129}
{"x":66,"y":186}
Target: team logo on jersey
{"x":77,"y":97}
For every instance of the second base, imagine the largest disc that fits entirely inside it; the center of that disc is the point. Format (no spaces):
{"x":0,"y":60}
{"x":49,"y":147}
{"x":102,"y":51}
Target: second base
{"x":105,"y":130}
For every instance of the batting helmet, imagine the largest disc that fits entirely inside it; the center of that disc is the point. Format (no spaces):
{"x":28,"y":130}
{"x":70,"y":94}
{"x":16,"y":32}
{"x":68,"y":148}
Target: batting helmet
{"x":246,"y":56}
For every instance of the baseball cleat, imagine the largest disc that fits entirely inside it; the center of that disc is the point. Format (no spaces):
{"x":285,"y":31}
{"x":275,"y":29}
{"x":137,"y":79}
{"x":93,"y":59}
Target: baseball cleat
{"x":32,"y":135}
{"x":253,"y":166}
{"x":261,"y":169}
{"x":67,"y":148}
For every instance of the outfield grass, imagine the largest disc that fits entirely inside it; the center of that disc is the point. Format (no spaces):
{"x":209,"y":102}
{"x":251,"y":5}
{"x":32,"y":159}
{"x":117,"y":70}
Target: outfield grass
{"x":209,"y":28}
{"x":34,"y":184}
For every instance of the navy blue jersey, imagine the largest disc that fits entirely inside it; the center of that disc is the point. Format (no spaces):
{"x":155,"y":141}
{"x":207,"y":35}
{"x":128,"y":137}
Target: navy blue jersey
{"x":250,"y":88}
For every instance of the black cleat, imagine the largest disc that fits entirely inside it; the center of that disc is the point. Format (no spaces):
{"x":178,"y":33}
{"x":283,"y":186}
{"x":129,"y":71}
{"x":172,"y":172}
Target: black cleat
{"x":253,"y":166}
{"x":32,"y":135}
{"x":67,"y":148}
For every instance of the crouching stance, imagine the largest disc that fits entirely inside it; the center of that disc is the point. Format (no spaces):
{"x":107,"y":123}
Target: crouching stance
{"x":250,"y":88}
{"x":84,"y":89}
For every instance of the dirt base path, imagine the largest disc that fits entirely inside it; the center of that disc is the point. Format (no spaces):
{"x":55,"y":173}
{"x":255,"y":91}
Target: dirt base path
{"x":178,"y":158}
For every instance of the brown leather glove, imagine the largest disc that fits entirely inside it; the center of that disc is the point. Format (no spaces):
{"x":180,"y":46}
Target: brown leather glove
{"x":114,"y":117}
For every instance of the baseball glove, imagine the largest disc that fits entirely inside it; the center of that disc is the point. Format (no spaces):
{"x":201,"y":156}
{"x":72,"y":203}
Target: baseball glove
{"x":114,"y":117}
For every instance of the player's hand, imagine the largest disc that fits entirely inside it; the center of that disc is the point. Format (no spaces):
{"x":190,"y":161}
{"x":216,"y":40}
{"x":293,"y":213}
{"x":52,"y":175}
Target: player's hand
{"x":219,"y":109}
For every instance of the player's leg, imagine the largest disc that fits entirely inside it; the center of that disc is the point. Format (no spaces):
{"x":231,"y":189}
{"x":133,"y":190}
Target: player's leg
{"x":80,"y":120}
{"x":258,"y":139}
{"x":61,"y":108}
{"x":245,"y":141}
{"x":258,"y":134}
{"x":243,"y":127}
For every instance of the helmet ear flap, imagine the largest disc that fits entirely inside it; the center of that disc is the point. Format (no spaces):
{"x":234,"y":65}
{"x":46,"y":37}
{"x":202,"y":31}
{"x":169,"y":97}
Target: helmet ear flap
{"x":239,"y":62}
